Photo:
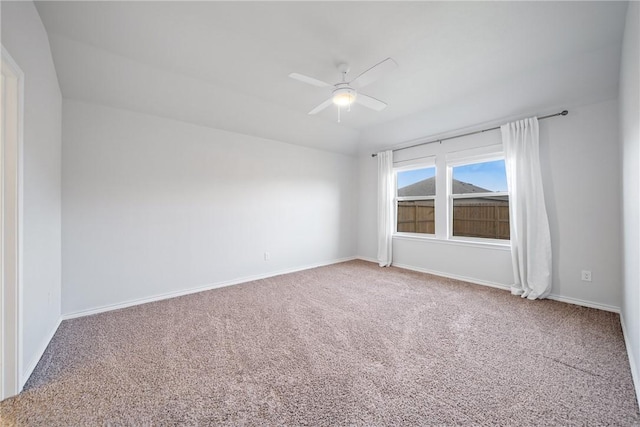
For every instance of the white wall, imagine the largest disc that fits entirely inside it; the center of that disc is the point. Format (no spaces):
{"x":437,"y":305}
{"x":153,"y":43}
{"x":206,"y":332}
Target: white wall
{"x":630,"y":138}
{"x":367,"y":206}
{"x":580,"y":162}
{"x":24,"y":37}
{"x":580,"y":166}
{"x":153,"y":206}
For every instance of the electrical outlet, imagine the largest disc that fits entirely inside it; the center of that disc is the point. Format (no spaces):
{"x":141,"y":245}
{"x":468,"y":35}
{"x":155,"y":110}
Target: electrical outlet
{"x":267,"y":256}
{"x":586,"y":275}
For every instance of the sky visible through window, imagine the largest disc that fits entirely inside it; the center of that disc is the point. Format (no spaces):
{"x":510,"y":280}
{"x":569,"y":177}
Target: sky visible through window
{"x":411,"y":177}
{"x":489,"y":175}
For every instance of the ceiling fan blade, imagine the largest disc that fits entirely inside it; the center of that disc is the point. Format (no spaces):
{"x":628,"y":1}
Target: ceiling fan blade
{"x":370,"y":102}
{"x":374,"y":73}
{"x":309,"y":80}
{"x":322,"y":106}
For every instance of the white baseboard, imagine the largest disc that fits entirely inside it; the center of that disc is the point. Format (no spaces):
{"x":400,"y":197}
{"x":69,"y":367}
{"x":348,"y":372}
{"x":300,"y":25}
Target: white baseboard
{"x":24,"y":376}
{"x":576,"y":301}
{"x":201,"y":288}
{"x":554,"y":297}
{"x":454,"y":276}
{"x":635,"y":375}
{"x":365,"y":258}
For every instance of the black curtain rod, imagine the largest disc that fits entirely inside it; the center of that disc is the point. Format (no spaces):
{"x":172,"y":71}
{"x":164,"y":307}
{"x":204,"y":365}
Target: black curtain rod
{"x":562,"y":113}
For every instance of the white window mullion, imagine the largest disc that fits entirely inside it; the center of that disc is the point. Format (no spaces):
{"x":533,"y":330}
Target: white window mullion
{"x":441,"y":198}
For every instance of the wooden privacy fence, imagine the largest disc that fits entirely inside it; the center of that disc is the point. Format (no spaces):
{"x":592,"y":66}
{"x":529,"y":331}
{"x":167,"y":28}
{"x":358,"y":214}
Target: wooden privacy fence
{"x":416,"y":216}
{"x":481,"y":219}
{"x":471,"y":218}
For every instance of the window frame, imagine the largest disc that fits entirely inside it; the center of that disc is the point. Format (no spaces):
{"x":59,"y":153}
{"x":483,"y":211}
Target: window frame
{"x":423,"y":163}
{"x":461,"y":160}
{"x":443,"y":161}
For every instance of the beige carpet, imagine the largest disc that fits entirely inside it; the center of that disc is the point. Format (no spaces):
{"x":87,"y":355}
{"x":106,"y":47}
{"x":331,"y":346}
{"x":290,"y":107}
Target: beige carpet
{"x":348,"y":344}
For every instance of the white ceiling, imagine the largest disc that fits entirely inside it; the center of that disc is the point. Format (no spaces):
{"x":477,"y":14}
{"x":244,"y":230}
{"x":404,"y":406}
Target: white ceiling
{"x":226,"y":64}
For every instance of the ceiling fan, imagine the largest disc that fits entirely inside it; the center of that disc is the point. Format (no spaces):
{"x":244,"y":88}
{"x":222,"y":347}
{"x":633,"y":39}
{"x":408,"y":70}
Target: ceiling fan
{"x":346,"y":92}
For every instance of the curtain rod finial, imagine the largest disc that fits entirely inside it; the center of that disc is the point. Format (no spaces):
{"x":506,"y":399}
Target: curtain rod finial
{"x":564,"y":112}
{"x":374,"y":155}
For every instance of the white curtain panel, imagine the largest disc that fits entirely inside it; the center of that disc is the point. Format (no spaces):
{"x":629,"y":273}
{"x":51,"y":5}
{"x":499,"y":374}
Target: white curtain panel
{"x":530,"y":236}
{"x":385,"y":207}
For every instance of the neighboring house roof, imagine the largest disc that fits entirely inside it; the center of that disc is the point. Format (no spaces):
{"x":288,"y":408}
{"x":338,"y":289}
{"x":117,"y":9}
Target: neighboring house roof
{"x":427,"y":187}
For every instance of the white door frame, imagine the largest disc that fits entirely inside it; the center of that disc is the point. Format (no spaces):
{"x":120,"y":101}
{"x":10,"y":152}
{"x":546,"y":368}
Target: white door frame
{"x":11,"y":146}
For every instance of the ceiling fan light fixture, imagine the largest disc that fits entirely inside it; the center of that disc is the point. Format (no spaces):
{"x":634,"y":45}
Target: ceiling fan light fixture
{"x":344,"y":96}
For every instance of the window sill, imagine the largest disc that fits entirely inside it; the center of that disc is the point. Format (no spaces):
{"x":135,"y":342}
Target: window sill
{"x":454,"y":242}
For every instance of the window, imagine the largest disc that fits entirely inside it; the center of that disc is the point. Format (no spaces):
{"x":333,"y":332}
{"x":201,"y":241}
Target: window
{"x":479,"y":201}
{"x":468,"y":187}
{"x":415,"y":200}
